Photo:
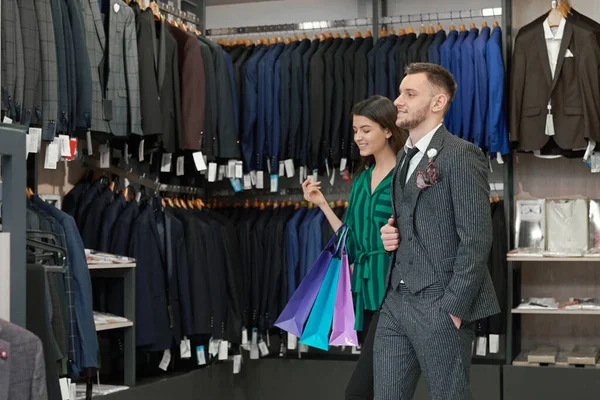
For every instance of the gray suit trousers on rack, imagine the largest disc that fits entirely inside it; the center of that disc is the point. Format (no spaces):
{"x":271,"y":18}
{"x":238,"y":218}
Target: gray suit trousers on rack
{"x":439,"y":269}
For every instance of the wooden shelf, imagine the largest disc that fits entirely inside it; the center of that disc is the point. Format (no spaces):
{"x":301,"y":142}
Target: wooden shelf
{"x":111,"y":266}
{"x":555,"y":312}
{"x":552,"y":259}
{"x":113,"y":325}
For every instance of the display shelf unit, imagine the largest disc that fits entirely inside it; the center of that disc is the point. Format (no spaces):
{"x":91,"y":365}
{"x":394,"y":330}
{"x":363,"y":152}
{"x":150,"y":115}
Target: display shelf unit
{"x":126,"y":272}
{"x":537,"y":259}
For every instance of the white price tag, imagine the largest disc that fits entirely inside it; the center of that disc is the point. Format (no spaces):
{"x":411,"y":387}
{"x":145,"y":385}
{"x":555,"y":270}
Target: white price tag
{"x":199,"y":161}
{"x":185,"y":348}
{"x":315,"y":176}
{"x":239,"y":169}
{"x":303,"y":348}
{"x":88,"y":140}
{"x":260,"y":179}
{"x":213,"y":347}
{"x":494,"y":344}
{"x":254,"y":345}
{"x":104,"y":156}
{"x":481,"y":349}
{"x":289,"y":168}
{"x":141,"y":151}
{"x":327,"y":167}
{"x":247,"y":183}
{"x":127,"y":153}
{"x":165,"y":164}
{"x":230,"y":169}
{"x":237,"y":364}
{"x":292,"y":341}
{"x":166,"y":360}
{"x":343,"y":164}
{"x":7,"y":120}
{"x":281,"y":168}
{"x":221,"y":172}
{"x":332,"y":179}
{"x":264,"y":350}
{"x":200,"y":355}
{"x":180,"y":166}
{"x":244,"y":336}
{"x":253,"y":178}
{"x":301,"y":174}
{"x":223,"y":350}
{"x":65,"y":145}
{"x":36,"y":139}
{"x":499,"y":158}
{"x":65,"y":392}
{"x":212,"y":172}
{"x":274,"y":183}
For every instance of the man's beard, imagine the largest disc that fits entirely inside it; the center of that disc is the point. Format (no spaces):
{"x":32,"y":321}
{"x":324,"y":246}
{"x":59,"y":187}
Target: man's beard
{"x":415,"y":121}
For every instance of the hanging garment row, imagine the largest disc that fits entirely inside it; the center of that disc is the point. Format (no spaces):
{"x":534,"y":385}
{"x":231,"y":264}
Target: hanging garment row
{"x":78,"y":347}
{"x":553,"y":87}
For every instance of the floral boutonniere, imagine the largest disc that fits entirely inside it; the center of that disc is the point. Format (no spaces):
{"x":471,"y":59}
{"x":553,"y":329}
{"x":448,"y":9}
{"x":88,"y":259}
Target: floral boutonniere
{"x":430,"y":176}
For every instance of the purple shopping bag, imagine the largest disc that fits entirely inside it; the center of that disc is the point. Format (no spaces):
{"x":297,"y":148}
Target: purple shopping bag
{"x":343,"y":333}
{"x":294,"y":315}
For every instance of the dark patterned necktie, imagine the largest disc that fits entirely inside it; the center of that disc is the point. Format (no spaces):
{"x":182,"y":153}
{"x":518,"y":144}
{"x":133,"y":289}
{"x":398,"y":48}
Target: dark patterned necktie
{"x":404,"y":170}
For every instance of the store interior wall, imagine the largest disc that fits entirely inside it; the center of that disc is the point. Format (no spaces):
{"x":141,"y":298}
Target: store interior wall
{"x":290,"y":11}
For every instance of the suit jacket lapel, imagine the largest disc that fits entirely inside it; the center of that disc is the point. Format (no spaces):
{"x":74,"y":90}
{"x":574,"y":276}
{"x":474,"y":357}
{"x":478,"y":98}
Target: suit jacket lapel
{"x":154,"y":44}
{"x":98,"y":22}
{"x":543,"y":53}
{"x":437,"y":142}
{"x":564,"y":45}
{"x":399,"y":161}
{"x":5,"y":370}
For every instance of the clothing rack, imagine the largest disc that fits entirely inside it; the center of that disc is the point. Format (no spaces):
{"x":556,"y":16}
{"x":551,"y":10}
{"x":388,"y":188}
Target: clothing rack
{"x":182,"y":15}
{"x":356,"y":22}
{"x":141,"y":180}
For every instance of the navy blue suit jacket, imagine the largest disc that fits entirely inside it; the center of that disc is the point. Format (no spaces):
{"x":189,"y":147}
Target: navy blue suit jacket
{"x":303,"y":149}
{"x":467,"y":82}
{"x":433,"y":53}
{"x":250,"y":72}
{"x":495,"y":127}
{"x":371,"y":65}
{"x":393,"y":68}
{"x":455,"y":68}
{"x":382,"y":76}
{"x":446,"y":62}
{"x":480,"y":105}
{"x":296,"y":92}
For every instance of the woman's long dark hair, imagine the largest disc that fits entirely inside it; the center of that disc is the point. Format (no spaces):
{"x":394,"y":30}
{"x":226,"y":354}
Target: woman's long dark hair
{"x":382,"y":111}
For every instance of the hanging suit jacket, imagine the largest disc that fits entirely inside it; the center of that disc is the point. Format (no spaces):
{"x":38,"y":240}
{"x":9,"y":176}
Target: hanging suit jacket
{"x":330,"y":72}
{"x":424,"y":50}
{"x":304,"y":144}
{"x":83,"y":73}
{"x":285,"y":104}
{"x":415,"y":48}
{"x":392,"y":68}
{"x":371,"y":56}
{"x":160,"y":94}
{"x":23,"y":373}
{"x":239,"y":82}
{"x":250,"y":73}
{"x":433,"y":53}
{"x":109,"y":217}
{"x":382,"y":80}
{"x":456,"y":108}
{"x":402,"y":57}
{"x":446,"y":62}
{"x":480,"y":100}
{"x":121,"y":230}
{"x":71,"y":122}
{"x":209,"y":138}
{"x":296,"y":92}
{"x":317,"y":102}
{"x":573,"y":91}
{"x":346,"y":133}
{"x":123,"y":82}
{"x":361,"y":82}
{"x":12,"y":59}
{"x":496,"y":129}
{"x":62,"y":63}
{"x":467,"y":71}
{"x":270,"y":144}
{"x":337,"y":109}
{"x":32,"y":105}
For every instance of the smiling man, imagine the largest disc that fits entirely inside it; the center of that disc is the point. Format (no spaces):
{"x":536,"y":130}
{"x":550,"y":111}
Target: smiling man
{"x":440,"y":236}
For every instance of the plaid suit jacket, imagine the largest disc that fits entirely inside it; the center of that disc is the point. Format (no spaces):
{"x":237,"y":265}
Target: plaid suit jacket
{"x":49,"y":83}
{"x":123,"y":87}
{"x":31,"y":104}
{"x":22,"y":373}
{"x":12,"y":61}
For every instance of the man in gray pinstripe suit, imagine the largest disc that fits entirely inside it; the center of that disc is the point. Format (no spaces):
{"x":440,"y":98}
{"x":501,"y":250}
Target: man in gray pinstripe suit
{"x":441,"y":234}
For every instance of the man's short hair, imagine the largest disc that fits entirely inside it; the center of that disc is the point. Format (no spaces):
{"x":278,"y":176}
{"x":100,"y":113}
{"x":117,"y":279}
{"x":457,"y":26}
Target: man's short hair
{"x":437,"y":75}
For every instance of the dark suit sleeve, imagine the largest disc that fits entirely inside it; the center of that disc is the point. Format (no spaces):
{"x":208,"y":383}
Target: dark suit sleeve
{"x":149,"y":96}
{"x":590,"y":84}
{"x":227,"y":139}
{"x":337,"y":108}
{"x":62,"y":67}
{"x":470,"y":200}
{"x":317,"y":106}
{"x":295,"y":100}
{"x":517,"y":83}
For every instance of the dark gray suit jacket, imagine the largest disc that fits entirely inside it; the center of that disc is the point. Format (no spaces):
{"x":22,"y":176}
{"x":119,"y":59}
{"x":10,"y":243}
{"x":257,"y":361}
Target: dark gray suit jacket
{"x":11,"y":58}
{"x":446,"y":230}
{"x":63,"y":116}
{"x":31,"y":53}
{"x":22,"y":373}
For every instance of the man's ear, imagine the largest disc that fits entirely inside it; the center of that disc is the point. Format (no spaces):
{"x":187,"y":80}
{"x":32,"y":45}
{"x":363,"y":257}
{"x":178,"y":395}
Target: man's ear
{"x":440,"y":101}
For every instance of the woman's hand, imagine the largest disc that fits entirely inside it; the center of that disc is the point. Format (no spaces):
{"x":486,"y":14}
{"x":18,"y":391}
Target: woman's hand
{"x":312,"y":193}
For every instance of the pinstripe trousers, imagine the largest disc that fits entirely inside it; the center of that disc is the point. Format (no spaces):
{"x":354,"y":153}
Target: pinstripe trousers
{"x":414,"y":335}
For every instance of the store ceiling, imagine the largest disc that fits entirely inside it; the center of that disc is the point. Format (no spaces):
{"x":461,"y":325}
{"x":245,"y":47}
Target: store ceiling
{"x":226,"y":2}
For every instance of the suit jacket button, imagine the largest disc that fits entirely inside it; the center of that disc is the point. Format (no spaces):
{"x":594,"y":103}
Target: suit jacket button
{"x":3,"y":354}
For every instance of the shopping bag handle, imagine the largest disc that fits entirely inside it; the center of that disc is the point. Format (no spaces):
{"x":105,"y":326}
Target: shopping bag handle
{"x":342,"y":238}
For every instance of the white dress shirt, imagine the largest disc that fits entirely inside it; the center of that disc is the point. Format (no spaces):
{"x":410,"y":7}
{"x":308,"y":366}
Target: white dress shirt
{"x":422,"y":145}
{"x":553,"y":40}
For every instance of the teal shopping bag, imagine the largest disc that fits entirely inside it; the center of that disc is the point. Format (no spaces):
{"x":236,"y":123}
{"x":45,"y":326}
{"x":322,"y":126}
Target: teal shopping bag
{"x":318,"y":327}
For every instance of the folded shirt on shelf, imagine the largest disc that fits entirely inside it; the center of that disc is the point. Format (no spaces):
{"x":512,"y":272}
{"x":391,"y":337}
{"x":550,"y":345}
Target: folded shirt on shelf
{"x":104,"y":318}
{"x":588,"y":303}
{"x":534,"y":303}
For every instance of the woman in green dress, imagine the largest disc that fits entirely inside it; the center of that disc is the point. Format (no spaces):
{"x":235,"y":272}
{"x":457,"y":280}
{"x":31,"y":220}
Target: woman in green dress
{"x":370,"y":206}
